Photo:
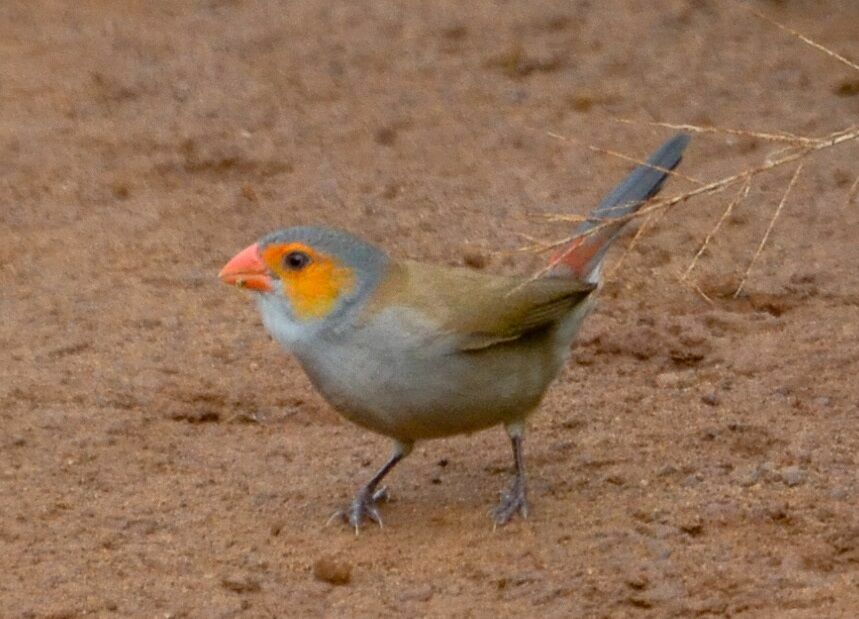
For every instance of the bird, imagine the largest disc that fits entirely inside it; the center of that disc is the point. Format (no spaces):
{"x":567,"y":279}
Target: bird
{"x":416,"y":351}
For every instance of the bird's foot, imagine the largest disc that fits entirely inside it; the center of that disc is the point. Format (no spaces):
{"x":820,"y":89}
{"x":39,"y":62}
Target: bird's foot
{"x":363,"y":507}
{"x":512,"y":501}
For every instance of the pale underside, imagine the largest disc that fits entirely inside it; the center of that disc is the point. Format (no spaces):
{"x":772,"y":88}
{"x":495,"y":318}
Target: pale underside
{"x":468,"y":351}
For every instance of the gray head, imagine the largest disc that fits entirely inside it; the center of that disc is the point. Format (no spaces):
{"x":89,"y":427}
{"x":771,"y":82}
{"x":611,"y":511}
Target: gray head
{"x":306,"y":278}
{"x":342,"y":247}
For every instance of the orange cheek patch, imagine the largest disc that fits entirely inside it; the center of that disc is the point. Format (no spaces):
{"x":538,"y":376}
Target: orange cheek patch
{"x":315,"y":289}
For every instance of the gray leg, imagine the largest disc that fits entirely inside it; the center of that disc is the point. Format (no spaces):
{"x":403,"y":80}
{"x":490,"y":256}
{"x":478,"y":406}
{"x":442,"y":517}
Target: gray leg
{"x":364,"y":505}
{"x":514,"y":500}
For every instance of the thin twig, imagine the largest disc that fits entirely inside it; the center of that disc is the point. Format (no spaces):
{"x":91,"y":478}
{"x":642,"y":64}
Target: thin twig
{"x":613,"y":153}
{"x":535,"y":242}
{"x":649,"y":222}
{"x":833,"y":139}
{"x":772,"y":137}
{"x":695,"y":287}
{"x":542,"y":216}
{"x":853,"y":191}
{"x":800,"y":36}
{"x":783,"y":152}
{"x":798,"y":148}
{"x":630,"y":245}
{"x":741,"y":195}
{"x":769,"y":229}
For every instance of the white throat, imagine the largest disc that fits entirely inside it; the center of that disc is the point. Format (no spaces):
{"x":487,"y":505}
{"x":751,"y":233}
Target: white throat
{"x":289,"y":332}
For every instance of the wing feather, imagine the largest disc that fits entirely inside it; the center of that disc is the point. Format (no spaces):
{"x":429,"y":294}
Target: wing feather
{"x":473,"y":310}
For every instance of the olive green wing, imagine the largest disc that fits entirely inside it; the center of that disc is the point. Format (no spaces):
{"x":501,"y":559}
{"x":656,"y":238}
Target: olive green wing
{"x":466,"y":310}
{"x":511,"y":308}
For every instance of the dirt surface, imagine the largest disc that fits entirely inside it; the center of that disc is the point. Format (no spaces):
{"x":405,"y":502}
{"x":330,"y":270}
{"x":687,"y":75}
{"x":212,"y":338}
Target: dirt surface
{"x":159,"y":455}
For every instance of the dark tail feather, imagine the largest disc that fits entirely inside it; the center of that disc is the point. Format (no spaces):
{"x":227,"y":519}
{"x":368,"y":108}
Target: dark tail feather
{"x":583,"y":256}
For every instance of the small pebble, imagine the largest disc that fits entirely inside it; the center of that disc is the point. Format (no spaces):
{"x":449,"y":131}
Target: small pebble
{"x":332,"y":571}
{"x":692,"y":526}
{"x":668,"y":380}
{"x":418,"y":594}
{"x":474,"y":260}
{"x":710,"y":399}
{"x":665,"y":471}
{"x":691,"y":480}
{"x":793,"y":476}
{"x":638,"y":581}
{"x":240,"y":583}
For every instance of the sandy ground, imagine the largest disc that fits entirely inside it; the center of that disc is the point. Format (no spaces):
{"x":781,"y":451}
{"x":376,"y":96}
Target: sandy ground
{"x":160,"y":457}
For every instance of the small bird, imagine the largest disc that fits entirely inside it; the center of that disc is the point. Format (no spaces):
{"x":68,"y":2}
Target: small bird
{"x":416,"y":351}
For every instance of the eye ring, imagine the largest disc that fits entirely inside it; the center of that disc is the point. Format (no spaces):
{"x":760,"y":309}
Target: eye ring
{"x":295,"y":260}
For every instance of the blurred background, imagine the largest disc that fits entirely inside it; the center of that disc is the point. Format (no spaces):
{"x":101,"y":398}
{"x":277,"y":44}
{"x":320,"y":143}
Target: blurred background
{"x":159,"y":456}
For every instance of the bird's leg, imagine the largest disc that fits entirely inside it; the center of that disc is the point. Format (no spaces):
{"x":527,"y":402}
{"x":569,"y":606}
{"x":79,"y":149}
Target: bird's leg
{"x":514,"y":500}
{"x":364,"y":504}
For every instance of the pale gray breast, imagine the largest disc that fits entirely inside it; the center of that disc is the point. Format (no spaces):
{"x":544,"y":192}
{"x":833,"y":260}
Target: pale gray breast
{"x":396,"y":375}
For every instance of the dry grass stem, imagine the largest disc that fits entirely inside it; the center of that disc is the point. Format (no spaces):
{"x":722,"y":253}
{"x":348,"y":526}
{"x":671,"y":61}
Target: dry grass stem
{"x":649,"y":222}
{"x":630,"y":246}
{"x":796,"y":140}
{"x":829,"y":141}
{"x":535,"y":243}
{"x":853,"y":191}
{"x":542,"y":217}
{"x":800,"y":36}
{"x":741,"y":195}
{"x":768,"y":231}
{"x":833,"y":139}
{"x":695,"y":287}
{"x":613,"y":153}
{"x":796,"y":149}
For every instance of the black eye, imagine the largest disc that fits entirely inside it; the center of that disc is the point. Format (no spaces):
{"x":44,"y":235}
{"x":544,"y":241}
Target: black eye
{"x":296,"y":260}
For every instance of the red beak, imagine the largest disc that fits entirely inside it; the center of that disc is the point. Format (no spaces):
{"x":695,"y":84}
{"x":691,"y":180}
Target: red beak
{"x":247,"y":270}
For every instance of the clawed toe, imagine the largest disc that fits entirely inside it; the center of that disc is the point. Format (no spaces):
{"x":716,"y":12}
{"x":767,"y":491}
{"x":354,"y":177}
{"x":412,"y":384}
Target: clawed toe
{"x":381,"y":495}
{"x":512,"y":502}
{"x":363,"y":507}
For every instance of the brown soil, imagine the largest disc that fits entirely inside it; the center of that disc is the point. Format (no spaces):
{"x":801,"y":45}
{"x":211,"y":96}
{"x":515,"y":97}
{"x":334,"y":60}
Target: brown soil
{"x":160,"y":457}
